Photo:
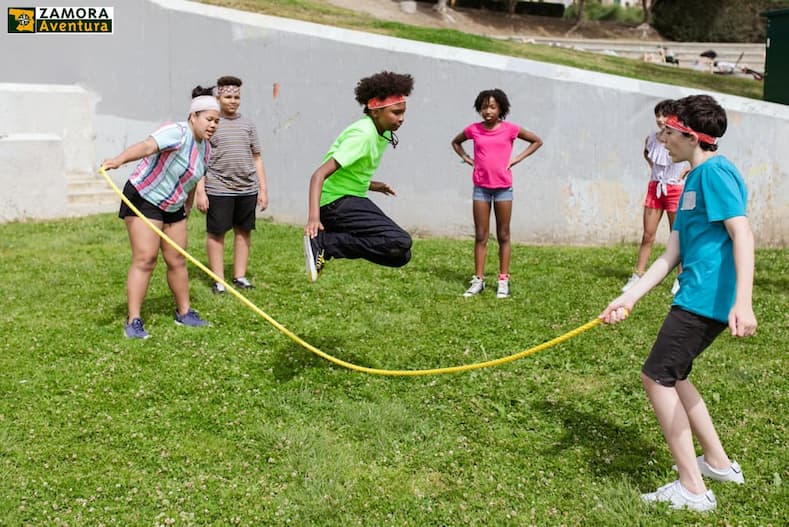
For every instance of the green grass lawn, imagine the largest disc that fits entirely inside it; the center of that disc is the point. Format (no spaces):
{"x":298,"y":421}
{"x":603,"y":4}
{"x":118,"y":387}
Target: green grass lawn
{"x":322,"y":13}
{"x":236,"y":425}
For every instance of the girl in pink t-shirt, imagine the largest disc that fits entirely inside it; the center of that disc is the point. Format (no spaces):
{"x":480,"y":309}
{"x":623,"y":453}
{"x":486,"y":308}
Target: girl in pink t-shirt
{"x":492,"y":177}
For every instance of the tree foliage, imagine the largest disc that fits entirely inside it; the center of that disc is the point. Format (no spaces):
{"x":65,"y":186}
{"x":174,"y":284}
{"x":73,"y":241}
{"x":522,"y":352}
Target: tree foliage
{"x":713,"y":20}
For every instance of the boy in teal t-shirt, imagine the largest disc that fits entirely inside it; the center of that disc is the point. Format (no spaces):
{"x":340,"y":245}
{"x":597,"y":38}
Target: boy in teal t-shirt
{"x":712,"y":239}
{"x":343,"y":222}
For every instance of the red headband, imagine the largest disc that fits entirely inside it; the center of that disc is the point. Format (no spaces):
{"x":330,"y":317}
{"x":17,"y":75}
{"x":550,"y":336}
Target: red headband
{"x":673,"y":122}
{"x":376,"y":103}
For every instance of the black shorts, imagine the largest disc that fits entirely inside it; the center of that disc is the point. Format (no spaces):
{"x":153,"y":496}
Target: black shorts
{"x":682,"y":338}
{"x":148,"y":209}
{"x":226,"y":212}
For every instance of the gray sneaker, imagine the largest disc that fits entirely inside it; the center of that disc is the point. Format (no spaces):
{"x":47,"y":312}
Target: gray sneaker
{"x":678,"y":497}
{"x":135,"y":330}
{"x":732,"y":474}
{"x":190,"y":318}
{"x":476,"y":287}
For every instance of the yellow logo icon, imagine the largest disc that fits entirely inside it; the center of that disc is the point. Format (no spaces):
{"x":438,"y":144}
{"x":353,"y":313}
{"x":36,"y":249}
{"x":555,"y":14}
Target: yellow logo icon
{"x":21,"y":20}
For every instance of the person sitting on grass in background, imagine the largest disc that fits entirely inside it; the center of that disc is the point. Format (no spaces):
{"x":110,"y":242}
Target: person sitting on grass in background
{"x":343,"y":222}
{"x":492,"y":177}
{"x":665,"y":187}
{"x":234,"y":186}
{"x":712,"y":239}
{"x":162,"y":188}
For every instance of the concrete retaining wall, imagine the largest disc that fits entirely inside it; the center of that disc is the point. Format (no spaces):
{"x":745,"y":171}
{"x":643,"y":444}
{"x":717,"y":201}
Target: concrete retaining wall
{"x":32,"y":177}
{"x":585,"y":186}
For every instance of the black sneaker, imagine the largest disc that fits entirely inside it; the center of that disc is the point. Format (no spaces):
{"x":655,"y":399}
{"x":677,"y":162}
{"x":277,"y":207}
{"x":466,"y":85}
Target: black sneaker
{"x":218,"y":289}
{"x":242,"y":283}
{"x":313,"y":258}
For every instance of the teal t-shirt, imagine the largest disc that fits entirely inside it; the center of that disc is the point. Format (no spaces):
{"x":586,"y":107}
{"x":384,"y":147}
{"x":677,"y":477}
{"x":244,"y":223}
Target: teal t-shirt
{"x":358,"y":151}
{"x":714,"y":192}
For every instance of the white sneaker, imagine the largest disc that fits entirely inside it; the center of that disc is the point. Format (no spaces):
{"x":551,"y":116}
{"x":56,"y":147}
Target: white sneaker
{"x":675,"y":287}
{"x":503,"y":290}
{"x":477,"y":286}
{"x":630,"y":281}
{"x":732,"y":474}
{"x":678,"y":497}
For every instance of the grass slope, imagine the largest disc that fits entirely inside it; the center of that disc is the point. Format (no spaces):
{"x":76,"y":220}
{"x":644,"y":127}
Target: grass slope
{"x":320,"y":13}
{"x":236,"y":425}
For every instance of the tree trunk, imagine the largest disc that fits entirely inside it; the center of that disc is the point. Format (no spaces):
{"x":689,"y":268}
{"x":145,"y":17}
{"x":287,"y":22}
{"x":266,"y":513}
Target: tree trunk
{"x":511,"y":4}
{"x":579,"y":15}
{"x":647,"y":8}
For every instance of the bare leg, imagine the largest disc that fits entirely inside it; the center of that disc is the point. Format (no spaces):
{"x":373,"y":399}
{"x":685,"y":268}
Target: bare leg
{"x":177,"y":275}
{"x":481,"y":233}
{"x":503,"y":210}
{"x":215,"y":248}
{"x":241,"y":243}
{"x":145,"y":251}
{"x":651,"y":222}
{"x":675,"y":424}
{"x":701,"y":424}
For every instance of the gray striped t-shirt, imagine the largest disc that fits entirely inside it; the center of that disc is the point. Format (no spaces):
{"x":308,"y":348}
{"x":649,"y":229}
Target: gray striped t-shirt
{"x":231,"y":169}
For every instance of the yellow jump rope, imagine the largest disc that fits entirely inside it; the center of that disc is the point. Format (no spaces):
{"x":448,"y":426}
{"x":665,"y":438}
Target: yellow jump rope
{"x":334,"y":360}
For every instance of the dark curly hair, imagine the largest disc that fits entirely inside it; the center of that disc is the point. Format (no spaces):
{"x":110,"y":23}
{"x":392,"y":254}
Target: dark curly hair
{"x":497,"y":95}
{"x":228,"y":80}
{"x":382,"y":85}
{"x":703,"y":114}
{"x":666,"y":107}
{"x":199,"y":90}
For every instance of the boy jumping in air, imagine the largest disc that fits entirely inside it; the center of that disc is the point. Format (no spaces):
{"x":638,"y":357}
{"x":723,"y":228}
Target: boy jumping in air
{"x":343,"y":222}
{"x":712,"y":239}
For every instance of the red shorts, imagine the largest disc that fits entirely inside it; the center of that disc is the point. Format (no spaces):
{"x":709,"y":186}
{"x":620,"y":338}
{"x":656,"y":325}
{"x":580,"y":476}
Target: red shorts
{"x":668,"y":200}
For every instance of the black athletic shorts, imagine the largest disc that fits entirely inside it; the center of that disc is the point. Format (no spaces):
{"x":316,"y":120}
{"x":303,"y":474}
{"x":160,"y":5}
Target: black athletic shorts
{"x":226,"y":212}
{"x":682,"y":338}
{"x":148,"y":209}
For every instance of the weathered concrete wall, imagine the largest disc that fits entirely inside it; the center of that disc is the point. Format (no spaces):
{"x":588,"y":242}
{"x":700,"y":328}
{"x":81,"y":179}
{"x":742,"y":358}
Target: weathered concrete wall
{"x":584,"y":186}
{"x":66,"y":111}
{"x":32,"y":177}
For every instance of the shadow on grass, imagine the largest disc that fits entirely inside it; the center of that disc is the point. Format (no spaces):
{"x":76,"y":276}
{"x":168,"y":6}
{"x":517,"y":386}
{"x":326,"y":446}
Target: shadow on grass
{"x":612,"y":450}
{"x":290,"y":359}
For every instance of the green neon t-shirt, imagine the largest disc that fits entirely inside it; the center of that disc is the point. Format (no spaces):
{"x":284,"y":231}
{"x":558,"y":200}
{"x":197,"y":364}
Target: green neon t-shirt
{"x":358,"y":151}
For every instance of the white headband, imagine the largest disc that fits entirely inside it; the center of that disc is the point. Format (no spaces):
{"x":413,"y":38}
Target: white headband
{"x":204,"y":102}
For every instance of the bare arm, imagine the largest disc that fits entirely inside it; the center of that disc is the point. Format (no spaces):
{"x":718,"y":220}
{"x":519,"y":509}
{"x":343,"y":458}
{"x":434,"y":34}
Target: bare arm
{"x":316,"y":186}
{"x":133,"y":153}
{"x":535,"y":144}
{"x":457,"y":146}
{"x":201,"y":196}
{"x":383,"y":188}
{"x":262,"y":187}
{"x":621,"y":306}
{"x":742,"y":321}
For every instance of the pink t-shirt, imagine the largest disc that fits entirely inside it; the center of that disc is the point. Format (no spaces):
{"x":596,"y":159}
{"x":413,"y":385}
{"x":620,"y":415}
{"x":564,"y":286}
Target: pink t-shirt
{"x":492,"y":153}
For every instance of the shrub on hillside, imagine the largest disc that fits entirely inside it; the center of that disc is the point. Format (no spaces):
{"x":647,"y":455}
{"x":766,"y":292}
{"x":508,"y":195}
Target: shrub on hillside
{"x":713,"y":20}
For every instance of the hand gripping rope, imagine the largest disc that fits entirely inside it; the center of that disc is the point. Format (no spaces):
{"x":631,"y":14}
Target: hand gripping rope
{"x":339,"y":362}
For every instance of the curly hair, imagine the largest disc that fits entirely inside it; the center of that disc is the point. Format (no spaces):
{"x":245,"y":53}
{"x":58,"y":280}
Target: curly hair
{"x":497,"y":95}
{"x":199,"y":90}
{"x":666,"y":107}
{"x":703,"y":114}
{"x":228,"y":80}
{"x":382,"y":85}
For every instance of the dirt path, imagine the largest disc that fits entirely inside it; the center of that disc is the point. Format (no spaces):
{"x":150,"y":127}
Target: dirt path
{"x":495,"y":24}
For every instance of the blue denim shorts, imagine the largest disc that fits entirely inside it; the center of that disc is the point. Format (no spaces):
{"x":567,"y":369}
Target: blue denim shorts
{"x":492,"y":194}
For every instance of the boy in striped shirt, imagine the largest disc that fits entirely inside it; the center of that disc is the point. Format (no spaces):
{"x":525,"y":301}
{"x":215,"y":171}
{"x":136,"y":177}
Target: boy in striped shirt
{"x":234,"y":186}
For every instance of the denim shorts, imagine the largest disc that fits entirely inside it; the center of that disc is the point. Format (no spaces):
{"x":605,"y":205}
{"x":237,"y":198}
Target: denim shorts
{"x":492,"y":194}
